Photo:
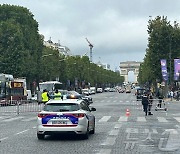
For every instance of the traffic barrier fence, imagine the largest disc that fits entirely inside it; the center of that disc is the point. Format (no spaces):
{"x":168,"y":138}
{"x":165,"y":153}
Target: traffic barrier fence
{"x":20,"y":106}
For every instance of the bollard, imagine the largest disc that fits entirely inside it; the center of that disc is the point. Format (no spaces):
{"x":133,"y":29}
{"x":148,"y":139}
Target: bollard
{"x":127,"y":112}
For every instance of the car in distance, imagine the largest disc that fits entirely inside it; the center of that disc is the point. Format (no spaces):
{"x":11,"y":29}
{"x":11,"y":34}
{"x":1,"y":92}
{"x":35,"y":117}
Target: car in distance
{"x":76,"y":95}
{"x":86,"y":91}
{"x":139,"y":93}
{"x":66,"y":116}
{"x":99,"y":90}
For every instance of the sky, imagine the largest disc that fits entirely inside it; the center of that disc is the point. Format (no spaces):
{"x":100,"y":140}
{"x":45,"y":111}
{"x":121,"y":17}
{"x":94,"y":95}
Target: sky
{"x":116,"y":28}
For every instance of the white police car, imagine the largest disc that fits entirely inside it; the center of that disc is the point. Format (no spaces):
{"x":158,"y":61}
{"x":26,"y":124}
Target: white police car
{"x":66,"y":116}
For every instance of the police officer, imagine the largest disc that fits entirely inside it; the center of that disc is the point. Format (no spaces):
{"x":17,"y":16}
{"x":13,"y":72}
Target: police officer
{"x":45,"y":96}
{"x":145,"y":103}
{"x":57,"y":95}
{"x":150,"y":104}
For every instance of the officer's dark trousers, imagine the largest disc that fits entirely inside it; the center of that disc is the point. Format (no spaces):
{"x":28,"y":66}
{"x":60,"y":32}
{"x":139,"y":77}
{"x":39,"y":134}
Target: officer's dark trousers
{"x":145,"y":108}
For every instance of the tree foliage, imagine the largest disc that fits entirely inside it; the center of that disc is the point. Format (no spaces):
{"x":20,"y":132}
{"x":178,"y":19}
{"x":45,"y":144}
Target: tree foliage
{"x":23,"y":54}
{"x":20,"y":42}
{"x":163,"y":43}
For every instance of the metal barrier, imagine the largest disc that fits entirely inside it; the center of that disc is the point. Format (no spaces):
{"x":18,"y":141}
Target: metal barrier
{"x":20,"y":106}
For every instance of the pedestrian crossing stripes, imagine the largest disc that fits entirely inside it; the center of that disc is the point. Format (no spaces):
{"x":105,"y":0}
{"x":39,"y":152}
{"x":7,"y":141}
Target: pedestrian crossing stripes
{"x":162,"y":119}
{"x":141,"y":119}
{"x":123,"y":118}
{"x":102,"y":119}
{"x":138,"y":119}
{"x":177,"y":118}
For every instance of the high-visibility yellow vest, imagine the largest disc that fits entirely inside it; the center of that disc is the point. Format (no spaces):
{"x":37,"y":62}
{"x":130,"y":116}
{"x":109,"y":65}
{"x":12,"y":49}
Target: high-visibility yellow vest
{"x":57,"y":96}
{"x":45,"y":97}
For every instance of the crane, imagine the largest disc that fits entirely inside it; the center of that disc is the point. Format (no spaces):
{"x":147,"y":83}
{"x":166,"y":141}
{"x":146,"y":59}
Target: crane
{"x":91,"y":46}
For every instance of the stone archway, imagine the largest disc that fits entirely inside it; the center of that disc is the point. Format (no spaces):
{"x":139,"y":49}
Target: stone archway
{"x":125,"y":67}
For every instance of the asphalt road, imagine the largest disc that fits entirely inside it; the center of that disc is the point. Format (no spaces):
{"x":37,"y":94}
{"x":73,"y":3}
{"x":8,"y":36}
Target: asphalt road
{"x":117,"y":131}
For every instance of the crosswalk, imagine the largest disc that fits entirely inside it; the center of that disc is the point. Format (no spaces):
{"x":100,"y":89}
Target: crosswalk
{"x":101,"y":119}
{"x":140,"y":119}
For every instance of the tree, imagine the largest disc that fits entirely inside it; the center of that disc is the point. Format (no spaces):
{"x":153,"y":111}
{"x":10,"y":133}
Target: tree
{"x":21,"y":45}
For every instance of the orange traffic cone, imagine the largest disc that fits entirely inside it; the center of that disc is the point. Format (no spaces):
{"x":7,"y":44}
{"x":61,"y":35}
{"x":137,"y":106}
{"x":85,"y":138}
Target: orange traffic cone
{"x":127,"y":112}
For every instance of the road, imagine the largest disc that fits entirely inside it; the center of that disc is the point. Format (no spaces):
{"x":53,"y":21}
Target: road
{"x":117,"y":131}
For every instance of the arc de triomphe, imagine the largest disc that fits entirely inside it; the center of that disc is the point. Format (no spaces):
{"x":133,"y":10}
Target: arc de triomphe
{"x":125,"y":67}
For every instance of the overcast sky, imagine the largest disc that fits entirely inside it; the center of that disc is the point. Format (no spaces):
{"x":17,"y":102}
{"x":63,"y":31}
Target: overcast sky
{"x":116,"y":28}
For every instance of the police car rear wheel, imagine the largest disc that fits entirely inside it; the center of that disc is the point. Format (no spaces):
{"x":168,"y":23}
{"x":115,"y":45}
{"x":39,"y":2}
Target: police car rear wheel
{"x":40,"y":136}
{"x":93,"y":131}
{"x":86,"y":135}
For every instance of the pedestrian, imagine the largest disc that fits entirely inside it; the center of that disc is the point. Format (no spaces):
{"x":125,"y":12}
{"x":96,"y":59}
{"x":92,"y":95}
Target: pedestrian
{"x":150,"y":104}
{"x":171,"y":94}
{"x":57,"y":95}
{"x":177,"y":95}
{"x":45,"y":96}
{"x":145,"y":103}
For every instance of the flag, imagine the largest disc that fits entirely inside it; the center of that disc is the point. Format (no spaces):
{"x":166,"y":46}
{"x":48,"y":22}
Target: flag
{"x":176,"y":69}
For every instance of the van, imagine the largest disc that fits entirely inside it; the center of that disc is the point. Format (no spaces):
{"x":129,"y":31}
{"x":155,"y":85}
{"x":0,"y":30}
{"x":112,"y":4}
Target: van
{"x":29,"y":95}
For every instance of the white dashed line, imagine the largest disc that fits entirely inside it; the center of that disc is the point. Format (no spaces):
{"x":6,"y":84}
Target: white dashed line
{"x":104,"y":118}
{"x":109,"y":141}
{"x":22,"y":132}
{"x":3,"y":138}
{"x":104,"y":151}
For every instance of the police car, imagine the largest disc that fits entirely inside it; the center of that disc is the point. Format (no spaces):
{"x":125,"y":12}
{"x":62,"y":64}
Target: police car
{"x":66,"y":116}
{"x":76,"y":95}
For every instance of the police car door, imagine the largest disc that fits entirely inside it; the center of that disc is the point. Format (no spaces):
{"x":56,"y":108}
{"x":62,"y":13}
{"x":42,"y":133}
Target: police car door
{"x":90,"y":116}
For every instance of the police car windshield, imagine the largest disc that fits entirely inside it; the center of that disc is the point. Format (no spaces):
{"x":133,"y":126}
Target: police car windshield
{"x":61,"y":107}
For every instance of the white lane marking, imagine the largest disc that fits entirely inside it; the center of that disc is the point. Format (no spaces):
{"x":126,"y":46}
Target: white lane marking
{"x":109,"y":141}
{"x":147,"y":145}
{"x":172,"y":142}
{"x":3,"y":138}
{"x":114,"y":132}
{"x":123,"y":118}
{"x":141,"y":119}
{"x":177,"y":118}
{"x":161,"y":119}
{"x":30,"y":119}
{"x":105,"y":151}
{"x":104,"y":119}
{"x":12,"y":119}
{"x":22,"y":132}
{"x":117,"y":126}
{"x":34,"y":127}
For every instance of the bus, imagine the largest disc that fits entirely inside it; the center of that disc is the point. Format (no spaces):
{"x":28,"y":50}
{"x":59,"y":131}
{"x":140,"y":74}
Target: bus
{"x":11,"y":89}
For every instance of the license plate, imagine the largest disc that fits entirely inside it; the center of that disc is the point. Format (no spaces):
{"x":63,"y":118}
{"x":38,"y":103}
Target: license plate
{"x":59,"y":122}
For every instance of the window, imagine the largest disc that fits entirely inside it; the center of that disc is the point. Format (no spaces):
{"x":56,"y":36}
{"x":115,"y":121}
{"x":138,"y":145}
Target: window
{"x":84,"y":106}
{"x":61,"y":107}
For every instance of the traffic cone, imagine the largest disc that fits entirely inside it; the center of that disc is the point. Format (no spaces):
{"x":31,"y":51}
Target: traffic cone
{"x":127,"y":112}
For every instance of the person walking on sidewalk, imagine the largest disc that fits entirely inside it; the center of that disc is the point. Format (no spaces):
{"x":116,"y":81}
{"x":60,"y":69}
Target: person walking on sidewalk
{"x":145,"y":103}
